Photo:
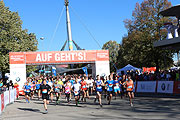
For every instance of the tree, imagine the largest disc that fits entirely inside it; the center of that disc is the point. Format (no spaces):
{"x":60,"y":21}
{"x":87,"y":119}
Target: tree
{"x":143,"y":30}
{"x":113,"y":48}
{"x":12,"y":37}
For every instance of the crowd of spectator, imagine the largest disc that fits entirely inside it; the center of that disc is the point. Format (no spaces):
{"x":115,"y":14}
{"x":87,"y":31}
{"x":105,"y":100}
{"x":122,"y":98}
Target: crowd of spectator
{"x":167,"y":75}
{"x":4,"y":86}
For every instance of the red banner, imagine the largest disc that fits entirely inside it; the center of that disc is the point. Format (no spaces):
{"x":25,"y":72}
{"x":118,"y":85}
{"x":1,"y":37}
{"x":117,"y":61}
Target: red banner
{"x":177,"y":87}
{"x":2,"y":102}
{"x":58,"y":56}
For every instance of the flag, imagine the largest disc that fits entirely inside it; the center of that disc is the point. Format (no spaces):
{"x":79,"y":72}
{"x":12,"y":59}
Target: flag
{"x":85,"y":70}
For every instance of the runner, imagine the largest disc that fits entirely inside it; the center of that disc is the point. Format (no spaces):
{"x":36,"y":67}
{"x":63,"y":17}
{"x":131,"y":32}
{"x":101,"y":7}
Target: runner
{"x":109,"y":84}
{"x":129,"y":89}
{"x":67,"y":91}
{"x":98,"y":85}
{"x":38,"y":92}
{"x":76,"y":90}
{"x":87,"y":86}
{"x":27,"y":90}
{"x":91,"y":82}
{"x":51,"y":85}
{"x":83,"y":89}
{"x":116,"y":87}
{"x":123,"y":87}
{"x":45,"y":90}
{"x":60,"y":83}
{"x":71,"y":80}
{"x":56,"y":87}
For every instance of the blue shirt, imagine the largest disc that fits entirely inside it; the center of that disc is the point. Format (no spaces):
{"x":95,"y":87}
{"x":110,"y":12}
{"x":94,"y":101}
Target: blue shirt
{"x":99,"y":86}
{"x":110,"y":84}
{"x":116,"y":83}
{"x":72,"y":82}
{"x":27,"y":88}
{"x":37,"y":86}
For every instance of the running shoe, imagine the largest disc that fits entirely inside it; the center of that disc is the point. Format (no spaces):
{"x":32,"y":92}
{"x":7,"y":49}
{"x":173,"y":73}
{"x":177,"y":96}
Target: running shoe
{"x":131,"y":105}
{"x":95,"y":100}
{"x":45,"y":112}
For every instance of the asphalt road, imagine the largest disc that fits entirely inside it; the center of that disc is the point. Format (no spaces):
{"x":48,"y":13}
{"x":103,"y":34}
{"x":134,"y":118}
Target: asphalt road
{"x":145,"y":108}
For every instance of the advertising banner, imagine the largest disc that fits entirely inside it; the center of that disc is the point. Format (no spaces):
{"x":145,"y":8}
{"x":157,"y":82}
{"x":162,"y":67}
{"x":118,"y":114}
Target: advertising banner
{"x":11,"y":98}
{"x":6,"y":98}
{"x":16,"y":94}
{"x":18,"y":74}
{"x":134,"y":90}
{"x":102,"y":68}
{"x":177,"y":87}
{"x":2,"y":102}
{"x":165,"y":86}
{"x":146,"y":86}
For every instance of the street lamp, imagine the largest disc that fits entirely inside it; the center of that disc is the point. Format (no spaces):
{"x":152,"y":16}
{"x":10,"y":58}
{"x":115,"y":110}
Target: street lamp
{"x":43,"y":66}
{"x":42,"y":38}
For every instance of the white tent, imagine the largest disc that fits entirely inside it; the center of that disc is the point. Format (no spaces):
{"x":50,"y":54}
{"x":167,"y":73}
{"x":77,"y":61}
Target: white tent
{"x":127,"y":68}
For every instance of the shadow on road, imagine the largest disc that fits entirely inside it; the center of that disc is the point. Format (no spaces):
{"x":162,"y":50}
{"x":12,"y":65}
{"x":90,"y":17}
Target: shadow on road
{"x":30,"y":109}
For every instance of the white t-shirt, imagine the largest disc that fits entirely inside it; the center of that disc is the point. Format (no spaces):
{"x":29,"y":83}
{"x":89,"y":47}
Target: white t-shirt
{"x":50,"y":84}
{"x":77,"y":86}
{"x":87,"y":83}
{"x":91,"y":82}
{"x":63,"y":79}
{"x":69,"y":84}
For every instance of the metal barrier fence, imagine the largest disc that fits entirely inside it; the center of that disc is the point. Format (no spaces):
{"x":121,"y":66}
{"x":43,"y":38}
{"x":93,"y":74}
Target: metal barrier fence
{"x":6,"y":98}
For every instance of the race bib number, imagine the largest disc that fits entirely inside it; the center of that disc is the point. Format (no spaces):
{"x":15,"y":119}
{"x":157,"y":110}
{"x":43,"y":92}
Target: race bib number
{"x":117,"y":84}
{"x":116,"y":87}
{"x":67,"y":91}
{"x":28,"y":90}
{"x":44,"y":91}
{"x":84,"y":87}
{"x":99,"y":87}
{"x":76,"y":92}
{"x":110,"y":85}
{"x":130,"y":86}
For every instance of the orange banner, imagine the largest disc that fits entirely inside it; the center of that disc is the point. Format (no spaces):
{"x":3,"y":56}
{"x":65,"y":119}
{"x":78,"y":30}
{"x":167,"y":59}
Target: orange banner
{"x":58,"y":57}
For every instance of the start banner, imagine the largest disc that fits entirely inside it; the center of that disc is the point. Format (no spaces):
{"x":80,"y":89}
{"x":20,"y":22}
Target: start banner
{"x":146,"y":86}
{"x":58,"y":56}
{"x":165,"y":86}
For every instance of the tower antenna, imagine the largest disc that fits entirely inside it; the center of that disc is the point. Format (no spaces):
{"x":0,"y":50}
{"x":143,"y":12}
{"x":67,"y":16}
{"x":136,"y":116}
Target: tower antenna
{"x":69,"y":33}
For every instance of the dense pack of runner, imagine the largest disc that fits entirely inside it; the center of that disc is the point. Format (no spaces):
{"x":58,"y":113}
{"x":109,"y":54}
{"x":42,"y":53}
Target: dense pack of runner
{"x":79,"y":87}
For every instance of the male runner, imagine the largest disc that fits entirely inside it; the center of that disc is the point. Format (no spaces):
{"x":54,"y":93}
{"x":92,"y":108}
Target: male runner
{"x":98,"y":85}
{"x":27,"y":90}
{"x":76,"y":90}
{"x":37,"y":89}
{"x":91,"y":82}
{"x":45,"y":90}
{"x":51,"y":85}
{"x":56,"y":87}
{"x":129,"y":89}
{"x":109,"y":84}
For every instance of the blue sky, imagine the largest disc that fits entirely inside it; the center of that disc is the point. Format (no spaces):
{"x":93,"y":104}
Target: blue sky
{"x":103,"y":18}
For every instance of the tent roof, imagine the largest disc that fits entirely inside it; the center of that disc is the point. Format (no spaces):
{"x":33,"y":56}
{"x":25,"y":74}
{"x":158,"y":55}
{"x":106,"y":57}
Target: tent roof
{"x":171,"y":12}
{"x":128,"y":68}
